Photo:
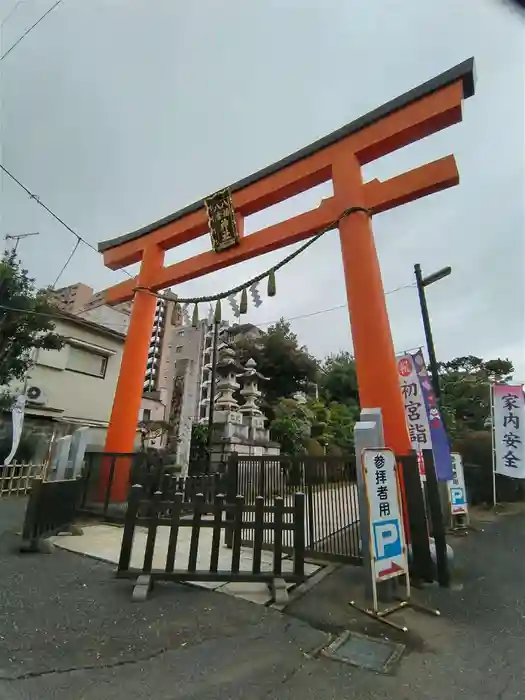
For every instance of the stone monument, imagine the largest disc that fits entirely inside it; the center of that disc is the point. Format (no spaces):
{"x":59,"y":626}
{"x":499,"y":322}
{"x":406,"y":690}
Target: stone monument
{"x":239,"y":429}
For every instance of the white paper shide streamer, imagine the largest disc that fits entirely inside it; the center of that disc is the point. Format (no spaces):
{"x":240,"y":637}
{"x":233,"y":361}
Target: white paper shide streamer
{"x":17,"y":413}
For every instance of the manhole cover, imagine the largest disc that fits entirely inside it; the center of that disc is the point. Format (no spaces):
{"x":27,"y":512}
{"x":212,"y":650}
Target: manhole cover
{"x":366,"y":652}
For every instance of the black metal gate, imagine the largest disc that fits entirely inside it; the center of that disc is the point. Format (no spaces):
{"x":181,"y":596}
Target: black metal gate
{"x":330,"y":487}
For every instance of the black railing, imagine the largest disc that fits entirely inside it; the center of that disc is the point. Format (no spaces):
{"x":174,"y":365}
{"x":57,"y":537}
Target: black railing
{"x":52,"y":507}
{"x":207,"y":485}
{"x":97,"y":499}
{"x":146,"y":470}
{"x":330,"y":488}
{"x":238,"y":516}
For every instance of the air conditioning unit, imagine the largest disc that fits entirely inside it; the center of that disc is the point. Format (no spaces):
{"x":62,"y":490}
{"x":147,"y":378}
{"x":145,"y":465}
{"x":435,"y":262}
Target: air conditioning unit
{"x":36,"y":396}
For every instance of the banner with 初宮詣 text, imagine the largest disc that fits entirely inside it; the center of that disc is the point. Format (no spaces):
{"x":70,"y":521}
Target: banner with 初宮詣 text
{"x":438,"y":433}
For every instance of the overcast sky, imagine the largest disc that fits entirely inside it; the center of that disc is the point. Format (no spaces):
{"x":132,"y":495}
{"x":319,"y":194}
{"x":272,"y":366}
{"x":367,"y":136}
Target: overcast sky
{"x":118,"y":112}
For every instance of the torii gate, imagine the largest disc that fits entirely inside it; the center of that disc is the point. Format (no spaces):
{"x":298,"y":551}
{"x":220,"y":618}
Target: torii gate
{"x":434,"y":105}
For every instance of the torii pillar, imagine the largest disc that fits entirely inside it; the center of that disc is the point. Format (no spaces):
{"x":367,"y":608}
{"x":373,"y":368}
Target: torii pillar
{"x":435,"y":105}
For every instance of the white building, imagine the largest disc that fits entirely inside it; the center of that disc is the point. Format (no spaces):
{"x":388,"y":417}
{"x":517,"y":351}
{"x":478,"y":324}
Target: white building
{"x":158,"y":378}
{"x":74,"y":386}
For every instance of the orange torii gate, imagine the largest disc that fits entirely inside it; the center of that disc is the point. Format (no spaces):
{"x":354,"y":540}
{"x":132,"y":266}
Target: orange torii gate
{"x":339,"y":157}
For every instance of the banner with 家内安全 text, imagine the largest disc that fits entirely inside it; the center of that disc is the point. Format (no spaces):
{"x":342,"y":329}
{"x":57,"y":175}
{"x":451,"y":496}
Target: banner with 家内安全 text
{"x":508,"y":415}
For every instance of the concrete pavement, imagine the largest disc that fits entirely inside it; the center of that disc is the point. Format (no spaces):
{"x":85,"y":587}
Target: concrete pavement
{"x":68,"y":630}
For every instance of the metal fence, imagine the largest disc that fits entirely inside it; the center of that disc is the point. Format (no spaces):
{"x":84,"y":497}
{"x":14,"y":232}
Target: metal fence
{"x":93,"y":499}
{"x":15,"y":479}
{"x":52,"y":507}
{"x":175,"y":562}
{"x":330,"y":488}
{"x":145,"y":470}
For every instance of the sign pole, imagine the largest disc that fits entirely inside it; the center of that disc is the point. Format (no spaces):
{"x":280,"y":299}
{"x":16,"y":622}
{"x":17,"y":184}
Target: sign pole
{"x":493,"y":434}
{"x":367,"y":433}
{"x":457,"y":497}
{"x":386,"y":536}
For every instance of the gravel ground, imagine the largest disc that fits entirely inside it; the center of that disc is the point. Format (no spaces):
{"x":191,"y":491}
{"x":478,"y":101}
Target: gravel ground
{"x":68,"y":630}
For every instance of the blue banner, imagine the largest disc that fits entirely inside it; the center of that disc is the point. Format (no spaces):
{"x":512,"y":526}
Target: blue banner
{"x":440,"y":443}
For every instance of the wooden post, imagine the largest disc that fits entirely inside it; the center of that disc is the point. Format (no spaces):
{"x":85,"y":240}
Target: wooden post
{"x":258,"y":534}
{"x":129,"y":527}
{"x":278,"y":518}
{"x":218,"y":510}
{"x":153,"y":517}
{"x":298,"y":535}
{"x":176,"y":508}
{"x":198,"y":503}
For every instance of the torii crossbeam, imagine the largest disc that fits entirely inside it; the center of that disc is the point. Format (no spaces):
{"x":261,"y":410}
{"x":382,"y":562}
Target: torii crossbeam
{"x":435,"y":105}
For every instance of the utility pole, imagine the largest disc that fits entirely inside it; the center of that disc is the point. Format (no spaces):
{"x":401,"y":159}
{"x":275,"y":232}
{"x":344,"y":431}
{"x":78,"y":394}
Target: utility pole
{"x":422,"y":283}
{"x":436,"y":491}
{"x":19,"y":237}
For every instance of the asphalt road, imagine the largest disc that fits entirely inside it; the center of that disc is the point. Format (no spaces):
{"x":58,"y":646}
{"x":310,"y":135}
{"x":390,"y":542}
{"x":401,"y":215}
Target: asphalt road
{"x":69,"y":630}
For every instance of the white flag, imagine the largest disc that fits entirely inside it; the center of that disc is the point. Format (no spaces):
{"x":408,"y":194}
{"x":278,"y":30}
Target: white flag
{"x":17,"y":413}
{"x":509,"y":430}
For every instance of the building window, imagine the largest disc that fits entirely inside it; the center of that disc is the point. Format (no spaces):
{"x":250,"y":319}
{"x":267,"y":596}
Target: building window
{"x":203,"y":412}
{"x":146,"y":415}
{"x":180,"y":333}
{"x":205,"y":375}
{"x":178,"y":349}
{"x":205,"y":393}
{"x":86,"y":361}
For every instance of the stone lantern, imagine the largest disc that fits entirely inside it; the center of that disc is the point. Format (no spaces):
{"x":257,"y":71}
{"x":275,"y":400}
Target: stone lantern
{"x":225,"y":403}
{"x":252,"y":415}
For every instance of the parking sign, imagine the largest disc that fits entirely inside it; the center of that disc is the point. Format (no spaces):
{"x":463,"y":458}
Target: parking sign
{"x":457,"y":493}
{"x":387,"y":537}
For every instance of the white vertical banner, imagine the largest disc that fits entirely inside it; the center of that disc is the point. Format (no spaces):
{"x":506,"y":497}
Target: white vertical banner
{"x":508,"y":413}
{"x":457,"y":493}
{"x":17,"y":413}
{"x":387,"y":538}
{"x":415,"y":410}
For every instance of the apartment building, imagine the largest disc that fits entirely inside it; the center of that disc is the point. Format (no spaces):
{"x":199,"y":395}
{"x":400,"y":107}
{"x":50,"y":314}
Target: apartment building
{"x":158,"y":378}
{"x":73,"y":298}
{"x":192,"y":362}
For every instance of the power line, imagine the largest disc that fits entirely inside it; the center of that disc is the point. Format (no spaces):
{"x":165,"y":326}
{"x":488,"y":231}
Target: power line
{"x":64,"y":266}
{"x":37,"y":199}
{"x":331,"y":308}
{"x":122,"y":328}
{"x":125,"y":326}
{"x":27,"y":30}
{"x":15,"y":8}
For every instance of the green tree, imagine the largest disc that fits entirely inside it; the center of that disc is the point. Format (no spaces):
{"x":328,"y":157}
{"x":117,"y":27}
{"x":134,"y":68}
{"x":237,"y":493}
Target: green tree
{"x":341,"y":423}
{"x":291,"y":426}
{"x":25,"y":323}
{"x":313,"y":427}
{"x":199,"y":442}
{"x":288,"y":366}
{"x":465,"y":391}
{"x":338,"y":379}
